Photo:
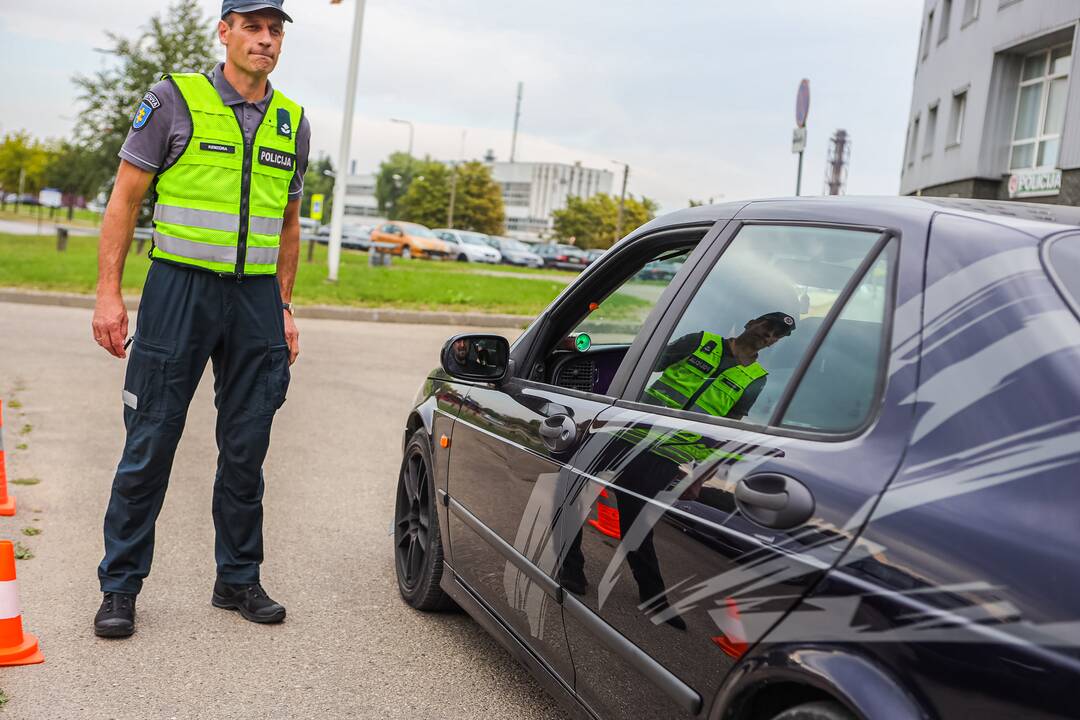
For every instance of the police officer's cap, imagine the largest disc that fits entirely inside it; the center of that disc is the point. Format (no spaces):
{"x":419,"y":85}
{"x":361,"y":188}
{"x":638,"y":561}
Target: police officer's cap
{"x":246,"y":6}
{"x":781,"y":320}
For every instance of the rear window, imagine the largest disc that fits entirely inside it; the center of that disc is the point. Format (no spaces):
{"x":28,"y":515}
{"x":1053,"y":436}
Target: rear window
{"x":1063,"y":259}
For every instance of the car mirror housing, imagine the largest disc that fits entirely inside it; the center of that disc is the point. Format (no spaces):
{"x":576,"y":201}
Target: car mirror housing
{"x":484,"y":358}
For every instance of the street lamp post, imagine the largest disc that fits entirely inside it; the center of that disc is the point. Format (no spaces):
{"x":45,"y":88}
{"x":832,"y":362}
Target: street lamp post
{"x":622,"y":199}
{"x":406,"y":122}
{"x":337,"y":216}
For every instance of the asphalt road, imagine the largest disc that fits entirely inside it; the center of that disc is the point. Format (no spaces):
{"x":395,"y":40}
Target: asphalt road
{"x":349,"y":648}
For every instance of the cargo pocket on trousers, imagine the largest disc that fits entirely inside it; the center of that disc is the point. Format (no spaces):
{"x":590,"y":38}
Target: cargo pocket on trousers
{"x":276,"y":372}
{"x":145,"y":382}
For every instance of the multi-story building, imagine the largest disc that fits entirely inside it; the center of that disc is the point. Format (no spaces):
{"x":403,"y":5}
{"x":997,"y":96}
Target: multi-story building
{"x":360,"y":204}
{"x":994,"y":112}
{"x":532,"y":191}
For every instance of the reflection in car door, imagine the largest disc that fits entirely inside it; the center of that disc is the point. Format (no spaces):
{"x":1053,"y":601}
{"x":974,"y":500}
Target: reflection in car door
{"x":508,"y":460}
{"x":669,"y":582}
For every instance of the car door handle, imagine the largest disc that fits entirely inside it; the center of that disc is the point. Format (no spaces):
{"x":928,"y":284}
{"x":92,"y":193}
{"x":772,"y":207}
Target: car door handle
{"x":558,"y":432}
{"x":774,"y":500}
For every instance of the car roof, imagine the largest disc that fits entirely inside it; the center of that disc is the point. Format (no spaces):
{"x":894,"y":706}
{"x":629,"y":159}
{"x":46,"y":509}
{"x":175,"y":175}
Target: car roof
{"x":1035,"y":219}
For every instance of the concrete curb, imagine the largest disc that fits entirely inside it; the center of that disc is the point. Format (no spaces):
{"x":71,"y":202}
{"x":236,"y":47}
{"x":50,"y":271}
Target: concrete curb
{"x":321,"y":312}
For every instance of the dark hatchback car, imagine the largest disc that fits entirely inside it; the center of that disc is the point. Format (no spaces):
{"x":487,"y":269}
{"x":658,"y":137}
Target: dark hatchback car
{"x":562,"y":257}
{"x":888,"y":528}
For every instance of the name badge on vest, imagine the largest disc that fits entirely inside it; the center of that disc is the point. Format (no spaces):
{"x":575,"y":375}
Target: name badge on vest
{"x":700,"y":364}
{"x":284,"y":123}
{"x":277,"y":159}
{"x":731,"y":384}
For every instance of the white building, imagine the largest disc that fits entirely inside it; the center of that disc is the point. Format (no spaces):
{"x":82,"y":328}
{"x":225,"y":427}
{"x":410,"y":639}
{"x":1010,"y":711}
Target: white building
{"x":994,"y":112}
{"x":532,"y":191}
{"x":360,"y":203}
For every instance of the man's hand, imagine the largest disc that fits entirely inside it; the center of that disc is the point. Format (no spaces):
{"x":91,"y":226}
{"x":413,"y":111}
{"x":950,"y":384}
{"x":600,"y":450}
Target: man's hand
{"x":111,"y":324}
{"x":292,"y":336}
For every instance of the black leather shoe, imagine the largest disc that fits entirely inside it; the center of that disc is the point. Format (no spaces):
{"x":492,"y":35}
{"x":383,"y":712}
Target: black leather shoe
{"x":116,"y":616}
{"x":251,"y":600}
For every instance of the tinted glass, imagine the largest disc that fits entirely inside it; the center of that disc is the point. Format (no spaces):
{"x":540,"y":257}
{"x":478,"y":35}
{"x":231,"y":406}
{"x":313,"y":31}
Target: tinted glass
{"x":837,"y":391}
{"x":1063,"y":257}
{"x":733,"y":333}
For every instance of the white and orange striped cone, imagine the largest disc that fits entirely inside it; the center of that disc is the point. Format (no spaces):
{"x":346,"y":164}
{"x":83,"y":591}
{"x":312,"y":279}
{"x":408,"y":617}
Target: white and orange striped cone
{"x":7,"y":503}
{"x":16,"y":647}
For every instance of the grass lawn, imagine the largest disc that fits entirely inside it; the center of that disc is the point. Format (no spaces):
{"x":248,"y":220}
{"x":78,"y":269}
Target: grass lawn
{"x":32,"y":262}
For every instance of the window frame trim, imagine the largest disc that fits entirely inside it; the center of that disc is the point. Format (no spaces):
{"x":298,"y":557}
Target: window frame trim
{"x":1046,"y":79}
{"x":639,"y":376}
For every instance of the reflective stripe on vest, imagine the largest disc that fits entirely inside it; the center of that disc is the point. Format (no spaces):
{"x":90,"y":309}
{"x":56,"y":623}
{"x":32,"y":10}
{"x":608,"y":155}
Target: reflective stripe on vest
{"x":221,"y":205}
{"x":694,"y":379}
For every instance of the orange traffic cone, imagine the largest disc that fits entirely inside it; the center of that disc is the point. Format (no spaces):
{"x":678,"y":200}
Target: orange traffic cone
{"x":7,"y":503}
{"x":607,"y":516}
{"x":16,"y":647}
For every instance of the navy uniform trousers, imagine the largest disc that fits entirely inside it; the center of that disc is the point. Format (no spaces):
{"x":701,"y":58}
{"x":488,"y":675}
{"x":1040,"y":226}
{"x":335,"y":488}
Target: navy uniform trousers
{"x":186,"y":317}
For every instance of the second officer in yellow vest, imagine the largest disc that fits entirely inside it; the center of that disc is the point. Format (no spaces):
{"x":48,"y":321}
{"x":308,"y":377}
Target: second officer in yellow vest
{"x":706,"y":373}
{"x":226,"y":154}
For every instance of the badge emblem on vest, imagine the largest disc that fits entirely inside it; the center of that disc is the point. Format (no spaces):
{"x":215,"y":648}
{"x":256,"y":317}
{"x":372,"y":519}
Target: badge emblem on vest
{"x":277,"y":159}
{"x":142,"y":115}
{"x":284,"y":123}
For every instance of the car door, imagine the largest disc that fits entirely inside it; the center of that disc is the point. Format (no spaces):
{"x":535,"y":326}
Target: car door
{"x":699,"y":531}
{"x":508,"y":475}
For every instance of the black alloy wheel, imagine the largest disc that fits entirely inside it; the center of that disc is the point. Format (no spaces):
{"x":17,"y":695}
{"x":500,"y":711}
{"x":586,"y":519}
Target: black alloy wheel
{"x":818,"y":710}
{"x":418,"y":553}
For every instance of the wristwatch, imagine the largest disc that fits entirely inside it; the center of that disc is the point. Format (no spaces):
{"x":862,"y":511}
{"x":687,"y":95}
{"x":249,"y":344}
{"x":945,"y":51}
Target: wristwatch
{"x":287,"y":306}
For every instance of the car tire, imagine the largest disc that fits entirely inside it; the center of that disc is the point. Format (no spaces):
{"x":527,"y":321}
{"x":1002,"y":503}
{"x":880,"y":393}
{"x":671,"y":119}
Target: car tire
{"x":406,"y":252}
{"x":818,"y":710}
{"x":462,"y":258}
{"x":418,"y":551}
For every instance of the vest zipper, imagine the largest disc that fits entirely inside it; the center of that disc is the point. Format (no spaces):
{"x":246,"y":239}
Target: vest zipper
{"x":245,"y":206}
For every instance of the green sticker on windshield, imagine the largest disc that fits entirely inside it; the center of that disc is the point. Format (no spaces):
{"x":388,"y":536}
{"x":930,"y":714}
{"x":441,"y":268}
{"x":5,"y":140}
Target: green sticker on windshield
{"x":582,"y":342}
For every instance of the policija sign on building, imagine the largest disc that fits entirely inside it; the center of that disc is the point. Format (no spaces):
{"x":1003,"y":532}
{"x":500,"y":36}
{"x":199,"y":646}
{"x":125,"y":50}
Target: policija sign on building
{"x":1034,"y":183}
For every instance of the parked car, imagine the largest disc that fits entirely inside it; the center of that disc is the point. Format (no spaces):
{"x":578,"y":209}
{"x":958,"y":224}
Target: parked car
{"x":594,"y":254}
{"x":515,"y":252}
{"x":886,"y":528}
{"x":411,"y":240}
{"x":469,"y":246}
{"x":355,"y":237}
{"x":562,"y":257}
{"x":663,"y":270}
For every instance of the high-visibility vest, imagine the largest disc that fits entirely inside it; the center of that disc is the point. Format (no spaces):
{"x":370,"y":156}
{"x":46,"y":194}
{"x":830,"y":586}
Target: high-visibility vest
{"x":221,"y":205}
{"x":693,"y":384}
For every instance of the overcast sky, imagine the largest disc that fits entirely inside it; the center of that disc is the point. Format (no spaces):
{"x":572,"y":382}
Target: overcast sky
{"x":698,"y":97}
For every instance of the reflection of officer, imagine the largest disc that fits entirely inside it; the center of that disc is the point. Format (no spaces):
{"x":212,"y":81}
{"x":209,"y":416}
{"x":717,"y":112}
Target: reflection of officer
{"x":707,"y":373}
{"x":227,"y":155}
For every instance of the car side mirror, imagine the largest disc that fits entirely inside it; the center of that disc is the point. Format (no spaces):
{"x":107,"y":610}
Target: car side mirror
{"x":484,"y":358}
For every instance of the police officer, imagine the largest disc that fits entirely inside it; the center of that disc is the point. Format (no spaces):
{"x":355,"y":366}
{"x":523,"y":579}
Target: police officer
{"x":707,"y":373}
{"x":226,"y":154}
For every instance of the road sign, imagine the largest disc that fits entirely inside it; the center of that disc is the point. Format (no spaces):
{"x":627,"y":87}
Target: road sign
{"x":802,"y":103}
{"x":317,"y":206}
{"x":798,"y":140}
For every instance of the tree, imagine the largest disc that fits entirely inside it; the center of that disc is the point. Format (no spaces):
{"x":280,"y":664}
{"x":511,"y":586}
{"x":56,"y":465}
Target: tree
{"x":178,"y":40}
{"x":478,"y":203}
{"x":593,"y":222}
{"x":73,"y":171}
{"x":23,"y":157}
{"x":319,"y":180}
{"x":395,"y":175}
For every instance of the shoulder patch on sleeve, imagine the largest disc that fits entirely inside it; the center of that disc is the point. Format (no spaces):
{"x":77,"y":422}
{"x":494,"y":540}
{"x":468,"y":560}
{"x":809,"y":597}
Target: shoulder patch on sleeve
{"x":152,"y":99}
{"x":142,"y":115}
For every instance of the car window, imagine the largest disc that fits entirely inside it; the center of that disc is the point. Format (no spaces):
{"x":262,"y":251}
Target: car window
{"x":1063,"y":259}
{"x":617,"y":319}
{"x":745,"y":331}
{"x":837,"y":391}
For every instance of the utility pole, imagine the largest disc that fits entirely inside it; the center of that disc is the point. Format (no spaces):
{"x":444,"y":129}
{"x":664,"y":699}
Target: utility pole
{"x":453,"y":182}
{"x":337,"y":218}
{"x":622,"y":200}
{"x":517,"y":117}
{"x":409,"y":123}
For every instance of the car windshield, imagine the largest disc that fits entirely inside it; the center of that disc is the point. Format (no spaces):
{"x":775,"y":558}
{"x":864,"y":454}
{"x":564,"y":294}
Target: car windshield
{"x":473,"y":239}
{"x":417,"y":230}
{"x":511,"y":244}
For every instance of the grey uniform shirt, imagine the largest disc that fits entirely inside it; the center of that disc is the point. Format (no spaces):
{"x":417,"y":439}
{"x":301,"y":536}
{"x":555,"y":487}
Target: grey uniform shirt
{"x":164,"y":135}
